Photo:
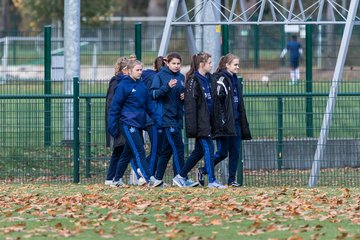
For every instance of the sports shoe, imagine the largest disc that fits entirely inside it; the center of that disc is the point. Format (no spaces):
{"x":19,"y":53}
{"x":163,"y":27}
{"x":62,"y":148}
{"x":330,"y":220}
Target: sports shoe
{"x":140,"y":173}
{"x":234,"y":184}
{"x":216,"y":184}
{"x":200,"y":176}
{"x":119,"y":183}
{"x":179,"y":181}
{"x":108,"y":182}
{"x":190,"y":183}
{"x":155,"y":182}
{"x":141,"y":181}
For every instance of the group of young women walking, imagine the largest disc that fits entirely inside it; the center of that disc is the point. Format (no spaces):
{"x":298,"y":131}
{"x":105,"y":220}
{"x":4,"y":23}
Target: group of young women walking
{"x":158,"y":101}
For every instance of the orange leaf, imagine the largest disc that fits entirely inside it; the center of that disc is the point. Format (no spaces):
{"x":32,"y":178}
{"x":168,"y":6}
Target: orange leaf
{"x":216,"y":222}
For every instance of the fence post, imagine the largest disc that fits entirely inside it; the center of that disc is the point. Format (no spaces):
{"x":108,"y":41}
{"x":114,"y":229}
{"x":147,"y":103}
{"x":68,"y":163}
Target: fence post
{"x":240,"y":166}
{"x":76,"y":130}
{"x":14,"y":51}
{"x":282,"y":43}
{"x":257,"y":46}
{"x":122,"y":36}
{"x":47,"y":85}
{"x":225,"y":39}
{"x":138,"y":40}
{"x":88,"y":138}
{"x":280,"y":133}
{"x":309,"y":83}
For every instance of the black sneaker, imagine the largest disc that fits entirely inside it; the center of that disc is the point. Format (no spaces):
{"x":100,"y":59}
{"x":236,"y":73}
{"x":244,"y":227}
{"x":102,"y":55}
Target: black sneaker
{"x":234,"y":184}
{"x":200,"y":176}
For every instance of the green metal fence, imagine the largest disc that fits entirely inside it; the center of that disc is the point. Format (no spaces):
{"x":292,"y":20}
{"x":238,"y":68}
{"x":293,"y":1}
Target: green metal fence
{"x":285,"y":119}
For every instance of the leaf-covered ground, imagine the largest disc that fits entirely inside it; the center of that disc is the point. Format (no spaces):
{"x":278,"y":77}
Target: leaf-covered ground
{"x":95,"y":212}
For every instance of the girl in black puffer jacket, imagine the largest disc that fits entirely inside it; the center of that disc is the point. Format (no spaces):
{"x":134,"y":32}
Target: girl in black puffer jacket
{"x":230,"y":124}
{"x":198,"y":112}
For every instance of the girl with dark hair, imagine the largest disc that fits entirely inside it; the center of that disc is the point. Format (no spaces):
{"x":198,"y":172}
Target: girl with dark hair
{"x":155,"y":133}
{"x":198,"y":114}
{"x":167,"y":89}
{"x":128,"y":114}
{"x":230,"y":124}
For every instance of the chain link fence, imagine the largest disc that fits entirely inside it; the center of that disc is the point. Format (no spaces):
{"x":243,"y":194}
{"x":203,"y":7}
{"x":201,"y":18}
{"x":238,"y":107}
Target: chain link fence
{"x":285,"y":119}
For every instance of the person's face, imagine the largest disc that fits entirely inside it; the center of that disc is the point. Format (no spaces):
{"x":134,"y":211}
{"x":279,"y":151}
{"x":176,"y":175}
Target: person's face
{"x":136,"y":72}
{"x":206,"y":66}
{"x":233,"y":67}
{"x":174,"y":65}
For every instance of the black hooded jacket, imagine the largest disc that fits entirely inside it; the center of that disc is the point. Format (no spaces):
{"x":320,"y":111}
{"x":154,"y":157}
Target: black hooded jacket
{"x":223,"y":120}
{"x":197,"y":116}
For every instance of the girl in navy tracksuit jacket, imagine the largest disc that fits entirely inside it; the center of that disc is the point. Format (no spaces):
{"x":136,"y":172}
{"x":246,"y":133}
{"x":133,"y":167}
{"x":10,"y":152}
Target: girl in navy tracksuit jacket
{"x":155,"y":133}
{"x":128,"y":113}
{"x":198,"y":113}
{"x":167,"y":89}
{"x":117,"y":143}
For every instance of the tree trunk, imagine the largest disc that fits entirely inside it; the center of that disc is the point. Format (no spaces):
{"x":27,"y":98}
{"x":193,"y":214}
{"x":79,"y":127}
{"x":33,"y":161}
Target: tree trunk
{"x":156,"y":8}
{"x":331,"y":50}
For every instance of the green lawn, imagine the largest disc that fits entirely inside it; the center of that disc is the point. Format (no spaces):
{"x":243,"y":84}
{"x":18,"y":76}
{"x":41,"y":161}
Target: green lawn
{"x":95,"y":212}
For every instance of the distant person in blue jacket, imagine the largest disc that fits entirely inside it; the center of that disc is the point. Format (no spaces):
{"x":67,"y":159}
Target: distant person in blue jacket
{"x":127,"y":115}
{"x":167,"y":89}
{"x":295,"y":49}
{"x":155,"y":133}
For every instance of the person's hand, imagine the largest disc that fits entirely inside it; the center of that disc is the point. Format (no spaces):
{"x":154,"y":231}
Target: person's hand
{"x":182,"y":96}
{"x":172,"y":83}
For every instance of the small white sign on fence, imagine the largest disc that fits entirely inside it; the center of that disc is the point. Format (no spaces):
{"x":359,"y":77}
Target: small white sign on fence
{"x":57,"y":68}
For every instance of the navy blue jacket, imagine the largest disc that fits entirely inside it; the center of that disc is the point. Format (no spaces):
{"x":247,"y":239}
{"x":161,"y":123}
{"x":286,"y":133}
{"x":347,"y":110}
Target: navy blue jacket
{"x":293,"y":47}
{"x":147,"y":76}
{"x":169,"y":107}
{"x":129,"y":105}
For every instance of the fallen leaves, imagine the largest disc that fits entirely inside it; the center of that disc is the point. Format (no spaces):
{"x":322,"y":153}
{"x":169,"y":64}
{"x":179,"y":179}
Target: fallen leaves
{"x":72,"y":210}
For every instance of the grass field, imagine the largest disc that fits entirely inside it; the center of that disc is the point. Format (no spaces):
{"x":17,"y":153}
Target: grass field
{"x":97,"y":212}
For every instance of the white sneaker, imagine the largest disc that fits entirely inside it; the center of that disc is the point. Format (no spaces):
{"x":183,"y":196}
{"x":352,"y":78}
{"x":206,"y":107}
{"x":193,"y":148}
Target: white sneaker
{"x":216,"y":184}
{"x":119,"y":183}
{"x":140,"y":173}
{"x":155,"y":182}
{"x":179,"y":181}
{"x":141,"y":181}
{"x":108,"y":182}
{"x":190,"y":183}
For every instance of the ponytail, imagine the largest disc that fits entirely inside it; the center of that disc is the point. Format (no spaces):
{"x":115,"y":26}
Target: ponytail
{"x":196,"y":59}
{"x":120,"y":64}
{"x":194,"y":65}
{"x":158,"y":63}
